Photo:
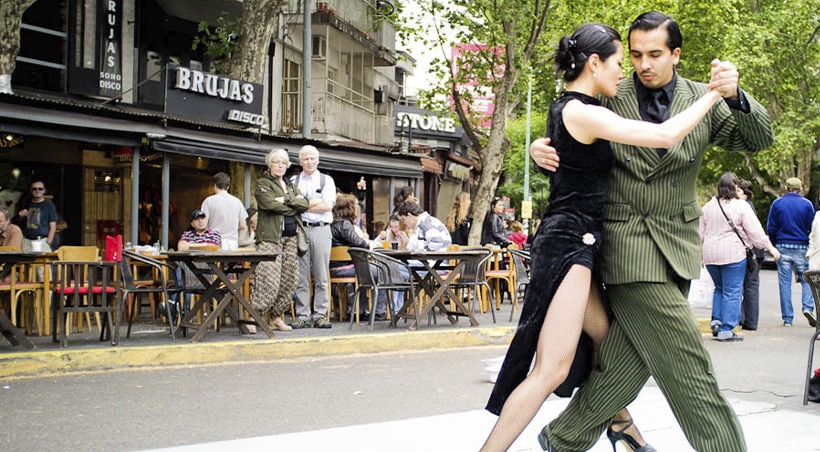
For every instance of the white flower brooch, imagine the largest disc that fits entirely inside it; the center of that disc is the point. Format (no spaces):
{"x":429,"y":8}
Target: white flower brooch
{"x":588,"y":239}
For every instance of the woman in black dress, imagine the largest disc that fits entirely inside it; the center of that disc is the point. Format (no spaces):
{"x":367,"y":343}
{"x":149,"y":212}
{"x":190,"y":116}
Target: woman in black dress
{"x":566,"y":247}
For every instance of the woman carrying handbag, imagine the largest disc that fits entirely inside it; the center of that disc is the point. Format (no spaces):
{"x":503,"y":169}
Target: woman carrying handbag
{"x":728,"y":231}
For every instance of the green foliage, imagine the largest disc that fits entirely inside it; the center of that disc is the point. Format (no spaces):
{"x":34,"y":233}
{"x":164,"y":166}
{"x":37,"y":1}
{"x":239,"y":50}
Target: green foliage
{"x":775,"y":45}
{"x":218,"y":42}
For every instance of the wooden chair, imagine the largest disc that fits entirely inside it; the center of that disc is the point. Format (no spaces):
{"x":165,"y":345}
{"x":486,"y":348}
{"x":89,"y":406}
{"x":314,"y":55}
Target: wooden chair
{"x":80,"y":254}
{"x":497,"y":275}
{"x":340,"y":254}
{"x":21,"y":281}
{"x":85,"y":287}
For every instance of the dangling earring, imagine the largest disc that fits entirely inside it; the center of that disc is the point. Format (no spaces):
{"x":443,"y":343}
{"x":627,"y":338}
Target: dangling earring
{"x":595,"y":74}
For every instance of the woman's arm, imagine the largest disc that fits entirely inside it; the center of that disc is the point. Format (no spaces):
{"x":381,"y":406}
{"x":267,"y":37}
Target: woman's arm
{"x":588,"y":123}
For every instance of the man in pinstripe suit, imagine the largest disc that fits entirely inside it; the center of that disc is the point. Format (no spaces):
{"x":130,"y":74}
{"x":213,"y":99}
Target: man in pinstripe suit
{"x":651,"y":249}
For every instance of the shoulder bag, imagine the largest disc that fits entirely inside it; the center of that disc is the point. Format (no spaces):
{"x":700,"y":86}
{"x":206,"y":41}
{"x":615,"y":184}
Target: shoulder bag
{"x":751,"y":259}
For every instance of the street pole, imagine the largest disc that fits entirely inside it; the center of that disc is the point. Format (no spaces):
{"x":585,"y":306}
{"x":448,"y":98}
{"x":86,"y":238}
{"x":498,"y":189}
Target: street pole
{"x":527,"y":152}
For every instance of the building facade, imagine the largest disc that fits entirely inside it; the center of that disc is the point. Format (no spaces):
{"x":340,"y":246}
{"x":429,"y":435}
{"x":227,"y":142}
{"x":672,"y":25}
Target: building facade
{"x":127,"y":120}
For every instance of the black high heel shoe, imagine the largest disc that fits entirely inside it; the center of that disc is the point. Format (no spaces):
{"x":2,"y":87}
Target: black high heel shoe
{"x":621,"y":435}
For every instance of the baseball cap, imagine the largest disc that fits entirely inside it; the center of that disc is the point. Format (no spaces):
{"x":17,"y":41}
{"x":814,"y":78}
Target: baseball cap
{"x":794,"y":183}
{"x":197,"y":214}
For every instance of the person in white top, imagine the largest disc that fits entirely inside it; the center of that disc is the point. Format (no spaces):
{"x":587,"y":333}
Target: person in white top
{"x":431,"y":233}
{"x":320,"y":190}
{"x":225,"y":212}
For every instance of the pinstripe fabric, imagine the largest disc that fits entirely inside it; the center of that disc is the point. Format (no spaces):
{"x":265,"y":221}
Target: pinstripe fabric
{"x":629,"y":355}
{"x":650,"y":252}
{"x":652,"y":213}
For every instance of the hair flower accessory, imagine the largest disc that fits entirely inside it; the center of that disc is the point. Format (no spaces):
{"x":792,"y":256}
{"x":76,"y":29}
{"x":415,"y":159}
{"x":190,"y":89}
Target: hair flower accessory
{"x":572,"y":43}
{"x":588,"y":239}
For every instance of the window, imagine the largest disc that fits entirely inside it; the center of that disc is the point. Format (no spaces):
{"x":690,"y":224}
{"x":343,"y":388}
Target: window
{"x":292,"y":96}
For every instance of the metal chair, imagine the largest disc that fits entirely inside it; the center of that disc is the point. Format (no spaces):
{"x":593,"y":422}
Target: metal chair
{"x":388,"y":277}
{"x":473,"y":277}
{"x":165,"y":283}
{"x":813,"y":278}
{"x":521,"y":261}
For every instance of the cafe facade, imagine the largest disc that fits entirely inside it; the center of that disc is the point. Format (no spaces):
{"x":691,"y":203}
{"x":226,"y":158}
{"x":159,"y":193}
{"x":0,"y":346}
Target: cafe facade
{"x":126,"y":124}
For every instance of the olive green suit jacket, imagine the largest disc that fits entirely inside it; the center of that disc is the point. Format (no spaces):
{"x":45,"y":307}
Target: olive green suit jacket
{"x":651,"y":218}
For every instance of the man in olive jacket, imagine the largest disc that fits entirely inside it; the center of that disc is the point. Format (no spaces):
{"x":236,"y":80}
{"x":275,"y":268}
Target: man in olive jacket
{"x":651,"y":250}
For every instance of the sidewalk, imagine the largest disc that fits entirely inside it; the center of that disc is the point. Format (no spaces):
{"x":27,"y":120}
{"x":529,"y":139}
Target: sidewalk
{"x":766,"y":429}
{"x":150,"y":344}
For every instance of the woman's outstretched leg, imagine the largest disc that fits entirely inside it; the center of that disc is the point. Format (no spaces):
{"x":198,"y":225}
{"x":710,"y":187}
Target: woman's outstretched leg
{"x":555,"y":351}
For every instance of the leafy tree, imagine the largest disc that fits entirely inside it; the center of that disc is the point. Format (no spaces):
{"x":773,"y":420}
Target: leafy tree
{"x":502,"y":37}
{"x":11,"y":18}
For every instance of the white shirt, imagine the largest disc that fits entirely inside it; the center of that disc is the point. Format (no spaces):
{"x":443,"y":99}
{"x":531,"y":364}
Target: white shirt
{"x":310,"y":188}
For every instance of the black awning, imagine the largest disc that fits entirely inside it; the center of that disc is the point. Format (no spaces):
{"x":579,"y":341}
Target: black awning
{"x":76,"y":126}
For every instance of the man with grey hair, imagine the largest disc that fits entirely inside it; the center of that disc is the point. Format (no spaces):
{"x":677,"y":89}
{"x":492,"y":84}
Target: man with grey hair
{"x":320,"y":190}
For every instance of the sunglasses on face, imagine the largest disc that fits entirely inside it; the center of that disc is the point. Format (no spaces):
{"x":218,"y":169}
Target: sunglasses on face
{"x":37,"y":188}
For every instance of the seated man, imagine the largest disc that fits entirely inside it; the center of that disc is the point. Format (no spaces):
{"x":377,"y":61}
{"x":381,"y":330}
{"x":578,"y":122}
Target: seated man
{"x":431,"y":233}
{"x":197,"y":234}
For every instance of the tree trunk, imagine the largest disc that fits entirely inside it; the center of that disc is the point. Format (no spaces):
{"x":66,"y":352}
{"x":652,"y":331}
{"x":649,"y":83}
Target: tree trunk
{"x":11,"y":17}
{"x":259,"y":21}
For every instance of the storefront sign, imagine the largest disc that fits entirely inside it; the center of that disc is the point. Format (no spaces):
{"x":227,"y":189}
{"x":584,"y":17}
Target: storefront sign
{"x":425,"y":122}
{"x":109,"y":20}
{"x":203,"y":95}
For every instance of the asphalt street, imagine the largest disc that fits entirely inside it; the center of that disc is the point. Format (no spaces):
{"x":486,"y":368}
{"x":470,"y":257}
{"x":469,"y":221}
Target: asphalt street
{"x":345,"y":400}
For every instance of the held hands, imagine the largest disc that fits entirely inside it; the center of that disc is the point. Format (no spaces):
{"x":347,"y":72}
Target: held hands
{"x":544,"y":155}
{"x":724,"y":78}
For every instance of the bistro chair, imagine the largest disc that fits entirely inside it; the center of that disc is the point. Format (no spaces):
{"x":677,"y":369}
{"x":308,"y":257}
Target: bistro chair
{"x":165,"y":284}
{"x":497,"y":274}
{"x":80,"y":254}
{"x":520,"y":260}
{"x":340,"y":254}
{"x":388,"y":277}
{"x":20,"y":282}
{"x":473,"y":278}
{"x":813,"y":278}
{"x":85,"y":287}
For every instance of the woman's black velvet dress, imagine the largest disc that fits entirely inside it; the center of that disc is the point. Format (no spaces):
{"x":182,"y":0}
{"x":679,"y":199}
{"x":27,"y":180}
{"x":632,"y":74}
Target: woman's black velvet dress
{"x":570,"y":233}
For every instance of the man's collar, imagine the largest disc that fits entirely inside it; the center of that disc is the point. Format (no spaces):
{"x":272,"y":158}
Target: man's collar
{"x":643,"y":91}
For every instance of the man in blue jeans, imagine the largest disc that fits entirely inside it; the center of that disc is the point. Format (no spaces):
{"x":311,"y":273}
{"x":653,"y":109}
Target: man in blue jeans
{"x":789,"y":226}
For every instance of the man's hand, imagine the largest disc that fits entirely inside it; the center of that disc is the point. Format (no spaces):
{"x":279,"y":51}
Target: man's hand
{"x":725,"y":78}
{"x":544,"y":155}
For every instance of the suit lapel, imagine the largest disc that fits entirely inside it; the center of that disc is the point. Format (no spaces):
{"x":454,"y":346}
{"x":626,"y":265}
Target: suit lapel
{"x":682,"y":98}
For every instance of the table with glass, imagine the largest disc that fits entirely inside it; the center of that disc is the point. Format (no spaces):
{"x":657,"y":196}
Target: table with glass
{"x":214,"y":269}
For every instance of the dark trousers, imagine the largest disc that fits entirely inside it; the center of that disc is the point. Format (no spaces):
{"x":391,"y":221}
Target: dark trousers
{"x":750,"y":308}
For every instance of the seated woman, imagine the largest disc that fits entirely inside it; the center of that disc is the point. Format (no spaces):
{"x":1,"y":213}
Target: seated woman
{"x":343,"y":233}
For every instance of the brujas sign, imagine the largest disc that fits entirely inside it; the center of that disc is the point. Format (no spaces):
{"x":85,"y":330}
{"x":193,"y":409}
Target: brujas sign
{"x":212,"y":97}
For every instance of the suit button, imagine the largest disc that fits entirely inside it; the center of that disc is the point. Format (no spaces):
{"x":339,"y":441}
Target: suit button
{"x":671,"y":217}
{"x":628,"y":157}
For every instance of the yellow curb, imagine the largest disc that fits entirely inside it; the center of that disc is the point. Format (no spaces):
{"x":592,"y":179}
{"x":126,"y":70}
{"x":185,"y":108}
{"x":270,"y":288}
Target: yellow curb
{"x":705,"y":328}
{"x":27,"y":364}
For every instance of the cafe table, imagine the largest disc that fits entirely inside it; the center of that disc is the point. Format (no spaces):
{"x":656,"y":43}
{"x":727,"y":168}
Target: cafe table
{"x":9,"y":259}
{"x":425,"y":267}
{"x":219,"y":286}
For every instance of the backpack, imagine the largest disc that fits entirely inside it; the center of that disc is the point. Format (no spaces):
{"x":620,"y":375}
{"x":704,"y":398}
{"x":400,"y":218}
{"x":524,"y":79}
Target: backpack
{"x":294,"y":180}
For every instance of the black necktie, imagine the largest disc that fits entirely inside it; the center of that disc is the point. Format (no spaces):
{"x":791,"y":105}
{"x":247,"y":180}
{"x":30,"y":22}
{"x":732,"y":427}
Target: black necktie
{"x":657,"y":110}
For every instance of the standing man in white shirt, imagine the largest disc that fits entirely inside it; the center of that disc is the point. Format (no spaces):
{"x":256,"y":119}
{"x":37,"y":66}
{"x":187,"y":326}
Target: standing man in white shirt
{"x":320,"y":190}
{"x":226,"y":213}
